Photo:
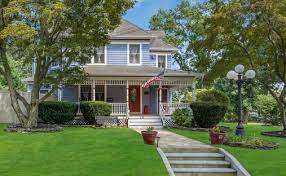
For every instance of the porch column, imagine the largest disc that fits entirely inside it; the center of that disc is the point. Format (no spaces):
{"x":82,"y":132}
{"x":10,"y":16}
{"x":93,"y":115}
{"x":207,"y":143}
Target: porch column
{"x":93,"y":90}
{"x":79,"y":93}
{"x":127,"y":99}
{"x":60,"y":94}
{"x":194,"y":98}
{"x":160,"y":97}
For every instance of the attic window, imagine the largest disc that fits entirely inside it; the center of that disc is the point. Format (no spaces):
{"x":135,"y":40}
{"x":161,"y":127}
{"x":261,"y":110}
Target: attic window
{"x":134,"y":54}
{"x":162,"y":61}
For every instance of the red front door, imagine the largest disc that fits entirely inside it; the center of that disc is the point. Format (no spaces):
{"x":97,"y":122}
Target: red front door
{"x":135,"y":99}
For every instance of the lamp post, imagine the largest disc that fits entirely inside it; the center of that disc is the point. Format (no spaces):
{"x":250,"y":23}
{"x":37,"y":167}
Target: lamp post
{"x":239,"y":77}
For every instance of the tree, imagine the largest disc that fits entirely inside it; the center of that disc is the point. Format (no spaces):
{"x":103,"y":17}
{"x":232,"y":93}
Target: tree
{"x":252,"y":32}
{"x":57,"y":32}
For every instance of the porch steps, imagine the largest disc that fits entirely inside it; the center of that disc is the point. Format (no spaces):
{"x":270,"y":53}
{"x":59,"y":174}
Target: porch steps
{"x":145,"y":122}
{"x":198,"y":162}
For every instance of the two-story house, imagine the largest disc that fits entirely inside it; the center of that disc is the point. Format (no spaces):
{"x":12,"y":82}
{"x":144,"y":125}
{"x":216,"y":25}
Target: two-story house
{"x":118,"y":70}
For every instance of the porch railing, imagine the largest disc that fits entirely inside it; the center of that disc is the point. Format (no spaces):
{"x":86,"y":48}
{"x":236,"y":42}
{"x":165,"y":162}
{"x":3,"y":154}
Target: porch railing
{"x":169,"y":108}
{"x":119,"y":108}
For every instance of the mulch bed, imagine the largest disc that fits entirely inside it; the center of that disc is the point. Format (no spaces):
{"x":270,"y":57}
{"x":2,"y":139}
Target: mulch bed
{"x":43,"y":128}
{"x":280,"y":134}
{"x":269,"y":146}
{"x":224,"y":128}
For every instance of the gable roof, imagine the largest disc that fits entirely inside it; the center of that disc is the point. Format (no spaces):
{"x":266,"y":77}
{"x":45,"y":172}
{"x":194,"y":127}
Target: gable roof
{"x":128,"y":30}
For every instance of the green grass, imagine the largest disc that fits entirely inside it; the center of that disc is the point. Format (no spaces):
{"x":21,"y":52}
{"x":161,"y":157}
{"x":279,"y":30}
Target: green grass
{"x":257,"y":162}
{"x":78,"y":152}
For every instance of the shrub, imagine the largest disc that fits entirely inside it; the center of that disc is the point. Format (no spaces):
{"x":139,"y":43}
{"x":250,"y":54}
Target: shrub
{"x":183,"y":117}
{"x":268,"y":108}
{"x":208,"y":115}
{"x":90,"y":109}
{"x":57,"y":112}
{"x":211,"y":95}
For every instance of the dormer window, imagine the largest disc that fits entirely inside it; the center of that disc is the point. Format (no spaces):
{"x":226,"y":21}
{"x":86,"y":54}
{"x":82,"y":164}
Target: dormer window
{"x":99,"y":55}
{"x":134,"y":53}
{"x":162,"y":61}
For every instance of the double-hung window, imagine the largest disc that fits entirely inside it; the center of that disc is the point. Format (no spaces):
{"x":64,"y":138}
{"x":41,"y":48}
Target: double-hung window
{"x":162,"y":61}
{"x":99,"y":55}
{"x":134,"y":53}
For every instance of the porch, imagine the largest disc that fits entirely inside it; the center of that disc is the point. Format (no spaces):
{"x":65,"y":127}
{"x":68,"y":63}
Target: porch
{"x":121,"y":86}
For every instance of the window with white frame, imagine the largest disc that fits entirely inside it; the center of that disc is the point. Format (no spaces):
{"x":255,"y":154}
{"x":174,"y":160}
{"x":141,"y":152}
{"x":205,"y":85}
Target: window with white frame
{"x":162,"y":61}
{"x":99,"y":55}
{"x":99,"y":93}
{"x":134,"y":54}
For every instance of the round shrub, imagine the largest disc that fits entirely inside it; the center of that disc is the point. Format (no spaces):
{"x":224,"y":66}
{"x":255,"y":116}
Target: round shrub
{"x":208,"y":115}
{"x":268,"y":108}
{"x":211,"y":95}
{"x":91,"y":109}
{"x":57,"y":112}
{"x":183,"y":117}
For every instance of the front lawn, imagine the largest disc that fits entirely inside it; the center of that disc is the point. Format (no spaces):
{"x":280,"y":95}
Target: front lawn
{"x":257,"y":162}
{"x":78,"y":151}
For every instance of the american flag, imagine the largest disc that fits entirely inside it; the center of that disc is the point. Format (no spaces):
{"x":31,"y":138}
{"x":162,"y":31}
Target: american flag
{"x":158,"y":77}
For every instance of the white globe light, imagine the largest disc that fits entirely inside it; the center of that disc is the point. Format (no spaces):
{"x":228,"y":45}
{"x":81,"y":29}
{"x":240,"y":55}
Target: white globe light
{"x":239,"y":68}
{"x":231,"y":75}
{"x":250,"y":74}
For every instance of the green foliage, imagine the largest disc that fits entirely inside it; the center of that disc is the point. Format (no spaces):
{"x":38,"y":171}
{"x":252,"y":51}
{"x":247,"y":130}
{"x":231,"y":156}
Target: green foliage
{"x":183,"y":117}
{"x":207,"y":114}
{"x":91,"y":109}
{"x":57,"y":112}
{"x":268,"y":108}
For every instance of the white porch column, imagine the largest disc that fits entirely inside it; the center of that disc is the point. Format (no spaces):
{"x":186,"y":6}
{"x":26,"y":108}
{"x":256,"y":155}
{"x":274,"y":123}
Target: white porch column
{"x":160,"y":97}
{"x":127,"y":98}
{"x":79,"y":93}
{"x":93,"y":90}
{"x":60,"y":94}
{"x":194,"y":98}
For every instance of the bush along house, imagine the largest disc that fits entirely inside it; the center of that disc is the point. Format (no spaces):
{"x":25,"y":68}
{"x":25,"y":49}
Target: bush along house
{"x":119,"y":74}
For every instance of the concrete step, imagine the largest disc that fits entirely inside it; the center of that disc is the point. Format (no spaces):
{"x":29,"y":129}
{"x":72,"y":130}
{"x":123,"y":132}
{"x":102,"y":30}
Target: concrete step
{"x":144,"y":120}
{"x":145,"y":127}
{"x":199,"y":164}
{"x":204,"y":172}
{"x":191,"y":150}
{"x":194,"y":156}
{"x":145,"y":124}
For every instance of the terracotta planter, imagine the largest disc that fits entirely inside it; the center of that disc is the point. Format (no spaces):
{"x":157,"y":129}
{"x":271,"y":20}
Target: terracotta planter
{"x":149,"y":137}
{"x":216,"y":138}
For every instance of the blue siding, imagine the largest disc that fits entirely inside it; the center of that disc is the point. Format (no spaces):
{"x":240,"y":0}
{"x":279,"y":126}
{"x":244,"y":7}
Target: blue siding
{"x":153,"y":99}
{"x":146,"y":59}
{"x":117,"y":54}
{"x":70,"y":93}
{"x":169,"y":61}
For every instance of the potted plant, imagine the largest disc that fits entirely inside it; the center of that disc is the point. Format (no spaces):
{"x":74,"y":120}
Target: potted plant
{"x":217,"y":135}
{"x":149,"y":135}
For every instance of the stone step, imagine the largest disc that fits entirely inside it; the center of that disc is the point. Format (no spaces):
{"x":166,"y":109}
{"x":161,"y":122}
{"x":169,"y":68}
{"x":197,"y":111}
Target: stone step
{"x":204,"y":172}
{"x":191,"y":150}
{"x":194,"y":156}
{"x":199,"y":164}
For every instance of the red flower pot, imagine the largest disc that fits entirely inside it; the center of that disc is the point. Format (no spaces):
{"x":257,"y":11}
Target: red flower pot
{"x":149,"y":137}
{"x":216,"y":138}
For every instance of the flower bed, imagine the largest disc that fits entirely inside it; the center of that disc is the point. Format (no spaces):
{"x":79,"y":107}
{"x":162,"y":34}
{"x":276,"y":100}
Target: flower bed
{"x":250,"y":142}
{"x":40,"y":128}
{"x":275,"y":134}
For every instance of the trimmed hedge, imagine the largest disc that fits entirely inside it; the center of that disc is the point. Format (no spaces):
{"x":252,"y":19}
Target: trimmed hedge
{"x":183,"y":117}
{"x":57,"y":112}
{"x":207,"y":114}
{"x":90,"y":109}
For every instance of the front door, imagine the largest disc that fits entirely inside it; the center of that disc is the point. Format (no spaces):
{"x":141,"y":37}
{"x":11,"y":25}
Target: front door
{"x":135,"y":99}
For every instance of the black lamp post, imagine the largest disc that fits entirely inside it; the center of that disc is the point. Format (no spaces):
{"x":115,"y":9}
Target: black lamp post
{"x":237,"y":75}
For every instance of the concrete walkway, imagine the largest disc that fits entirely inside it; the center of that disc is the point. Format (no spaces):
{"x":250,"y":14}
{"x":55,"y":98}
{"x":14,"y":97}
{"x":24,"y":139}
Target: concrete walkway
{"x":169,"y":139}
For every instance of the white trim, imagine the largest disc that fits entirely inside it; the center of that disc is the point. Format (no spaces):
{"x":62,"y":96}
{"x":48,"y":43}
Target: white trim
{"x":166,"y":60}
{"x":141,"y":99}
{"x":105,"y":58}
{"x":128,"y":42}
{"x":128,"y":54}
{"x":157,"y":97}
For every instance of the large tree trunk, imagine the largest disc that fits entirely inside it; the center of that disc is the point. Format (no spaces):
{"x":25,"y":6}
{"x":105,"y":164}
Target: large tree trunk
{"x":282,"y":113}
{"x":32,"y":121}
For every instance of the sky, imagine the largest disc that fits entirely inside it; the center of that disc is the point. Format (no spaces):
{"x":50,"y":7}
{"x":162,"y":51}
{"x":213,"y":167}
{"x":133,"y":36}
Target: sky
{"x":141,"y":13}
